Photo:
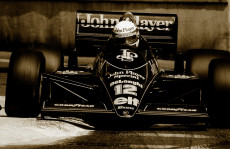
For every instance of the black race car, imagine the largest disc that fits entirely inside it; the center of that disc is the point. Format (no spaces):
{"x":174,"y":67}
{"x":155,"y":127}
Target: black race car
{"x":123,"y":83}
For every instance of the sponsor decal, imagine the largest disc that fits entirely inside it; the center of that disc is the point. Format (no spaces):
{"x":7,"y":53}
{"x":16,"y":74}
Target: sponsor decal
{"x":180,"y":76}
{"x":100,"y":21}
{"x":68,"y":72}
{"x":125,"y":82}
{"x":177,"y":109}
{"x":125,"y":113}
{"x":124,"y":30}
{"x":126,"y":74}
{"x":97,"y":22}
{"x":127,"y":56}
{"x":125,"y":108}
{"x":125,"y":35}
{"x":124,"y":100}
{"x":74,"y":105}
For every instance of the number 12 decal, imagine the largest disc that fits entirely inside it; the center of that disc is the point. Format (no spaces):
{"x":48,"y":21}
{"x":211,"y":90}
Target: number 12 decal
{"x":125,"y":89}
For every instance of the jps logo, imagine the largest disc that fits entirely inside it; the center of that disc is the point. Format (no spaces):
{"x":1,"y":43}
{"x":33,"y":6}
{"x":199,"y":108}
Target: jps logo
{"x":127,"y":56}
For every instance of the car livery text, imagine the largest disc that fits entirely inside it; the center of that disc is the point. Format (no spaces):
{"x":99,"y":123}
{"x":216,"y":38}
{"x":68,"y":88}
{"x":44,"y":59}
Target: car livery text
{"x":100,"y":21}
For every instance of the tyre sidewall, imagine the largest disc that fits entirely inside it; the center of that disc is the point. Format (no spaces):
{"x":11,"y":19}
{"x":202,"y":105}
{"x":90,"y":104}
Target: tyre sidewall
{"x":24,"y":84}
{"x":219,"y":87}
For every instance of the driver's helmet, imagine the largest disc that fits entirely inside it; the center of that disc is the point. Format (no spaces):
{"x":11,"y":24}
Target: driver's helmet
{"x":128,"y":16}
{"x":126,"y":33}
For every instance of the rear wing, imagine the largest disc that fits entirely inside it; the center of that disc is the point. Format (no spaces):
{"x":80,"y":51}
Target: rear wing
{"x":93,"y":28}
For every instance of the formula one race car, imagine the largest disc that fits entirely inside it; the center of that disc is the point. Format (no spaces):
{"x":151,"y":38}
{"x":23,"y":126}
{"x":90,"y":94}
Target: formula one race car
{"x":125,"y":81}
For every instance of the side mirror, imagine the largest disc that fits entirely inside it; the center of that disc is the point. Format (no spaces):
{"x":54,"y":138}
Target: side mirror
{"x":72,"y":61}
{"x":179,"y":64}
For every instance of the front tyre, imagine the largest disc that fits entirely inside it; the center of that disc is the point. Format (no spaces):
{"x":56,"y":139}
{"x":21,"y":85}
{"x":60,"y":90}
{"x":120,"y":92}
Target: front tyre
{"x":24,"y":84}
{"x":219,"y":95}
{"x":198,"y":61}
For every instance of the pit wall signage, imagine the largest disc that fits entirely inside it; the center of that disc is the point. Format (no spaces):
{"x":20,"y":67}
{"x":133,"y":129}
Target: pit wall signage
{"x":108,"y":21}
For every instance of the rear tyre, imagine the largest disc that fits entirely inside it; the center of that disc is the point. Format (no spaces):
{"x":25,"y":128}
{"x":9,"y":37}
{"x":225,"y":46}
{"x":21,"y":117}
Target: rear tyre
{"x":53,"y":57}
{"x":24,"y":84}
{"x":219,"y":95}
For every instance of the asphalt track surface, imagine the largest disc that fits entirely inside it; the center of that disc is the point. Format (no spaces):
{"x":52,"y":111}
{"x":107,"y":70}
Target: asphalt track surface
{"x":17,"y":133}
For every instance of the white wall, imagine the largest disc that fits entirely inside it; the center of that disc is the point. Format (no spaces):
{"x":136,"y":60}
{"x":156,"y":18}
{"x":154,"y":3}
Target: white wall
{"x":203,"y":24}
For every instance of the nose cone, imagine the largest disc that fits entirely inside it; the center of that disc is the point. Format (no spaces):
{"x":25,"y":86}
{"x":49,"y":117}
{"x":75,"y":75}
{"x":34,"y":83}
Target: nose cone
{"x":126,"y":89}
{"x":126,"y":75}
{"x":126,"y":106}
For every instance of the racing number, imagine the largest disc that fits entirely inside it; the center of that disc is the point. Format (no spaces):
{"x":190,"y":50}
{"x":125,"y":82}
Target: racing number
{"x":125,"y":89}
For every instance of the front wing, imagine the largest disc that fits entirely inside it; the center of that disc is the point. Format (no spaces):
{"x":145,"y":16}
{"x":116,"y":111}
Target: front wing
{"x":171,"y":114}
{"x":98,"y":109}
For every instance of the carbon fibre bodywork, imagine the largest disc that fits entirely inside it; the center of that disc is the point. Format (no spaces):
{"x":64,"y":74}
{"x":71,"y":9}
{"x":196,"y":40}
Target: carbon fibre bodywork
{"x":123,"y":92}
{"x":125,"y":82}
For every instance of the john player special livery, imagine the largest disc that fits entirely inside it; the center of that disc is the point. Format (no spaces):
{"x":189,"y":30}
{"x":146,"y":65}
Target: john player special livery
{"x":125,"y":80}
{"x":109,"y":21}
